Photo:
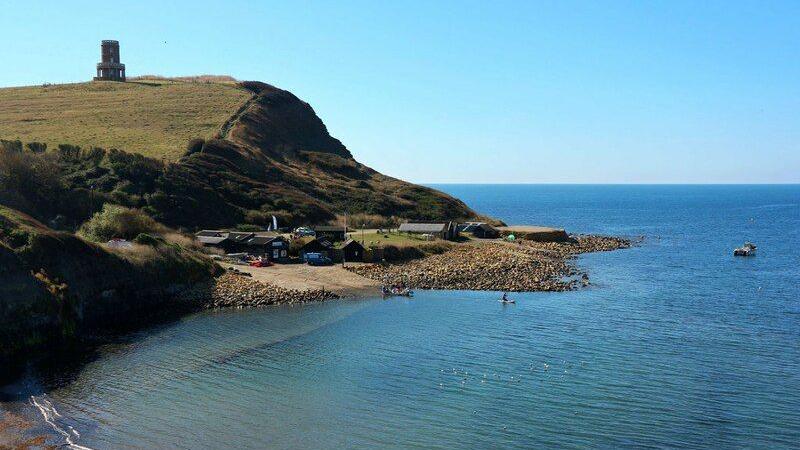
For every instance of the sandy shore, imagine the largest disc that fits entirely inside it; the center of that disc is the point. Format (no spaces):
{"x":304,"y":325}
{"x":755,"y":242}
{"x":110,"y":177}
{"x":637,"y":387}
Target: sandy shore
{"x":336,"y":279}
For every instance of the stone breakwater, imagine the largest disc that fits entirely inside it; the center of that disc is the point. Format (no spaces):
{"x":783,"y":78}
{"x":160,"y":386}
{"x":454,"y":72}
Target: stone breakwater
{"x":497,"y":266}
{"x":234,"y":290}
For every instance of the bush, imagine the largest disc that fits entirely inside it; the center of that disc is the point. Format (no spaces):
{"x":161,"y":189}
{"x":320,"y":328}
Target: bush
{"x":146,"y":239}
{"x":11,"y":146}
{"x":369,"y":221}
{"x":36,"y":147}
{"x":396,"y":253}
{"x":115,"y":221}
{"x":194,"y":146}
{"x":248,"y":228}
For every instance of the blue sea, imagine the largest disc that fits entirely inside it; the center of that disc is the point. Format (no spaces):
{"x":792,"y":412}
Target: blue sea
{"x":676,"y":344}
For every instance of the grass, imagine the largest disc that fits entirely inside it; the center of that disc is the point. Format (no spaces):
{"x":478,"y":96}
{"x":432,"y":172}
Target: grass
{"x":153,"y":117}
{"x":392,"y":238}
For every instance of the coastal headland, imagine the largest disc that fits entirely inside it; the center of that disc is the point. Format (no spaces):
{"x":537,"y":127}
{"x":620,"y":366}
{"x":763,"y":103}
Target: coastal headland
{"x":98,"y":219}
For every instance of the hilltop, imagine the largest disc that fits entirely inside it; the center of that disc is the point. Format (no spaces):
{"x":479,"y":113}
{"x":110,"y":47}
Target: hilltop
{"x":219,"y":153}
{"x":154,"y":117}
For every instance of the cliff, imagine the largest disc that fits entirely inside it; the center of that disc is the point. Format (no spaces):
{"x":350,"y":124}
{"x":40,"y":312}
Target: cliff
{"x":55,"y":287}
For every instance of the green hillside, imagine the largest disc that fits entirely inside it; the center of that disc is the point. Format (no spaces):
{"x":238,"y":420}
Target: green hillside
{"x":153,"y":117}
{"x":261,"y":152}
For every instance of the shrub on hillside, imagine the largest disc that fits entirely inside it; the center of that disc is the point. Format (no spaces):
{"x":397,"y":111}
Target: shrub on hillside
{"x":36,"y":147}
{"x":115,"y":221}
{"x":358,"y":221}
{"x":194,"y":146}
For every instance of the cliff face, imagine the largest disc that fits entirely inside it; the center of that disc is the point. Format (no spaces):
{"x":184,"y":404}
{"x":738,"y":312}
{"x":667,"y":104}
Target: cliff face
{"x":55,"y":286}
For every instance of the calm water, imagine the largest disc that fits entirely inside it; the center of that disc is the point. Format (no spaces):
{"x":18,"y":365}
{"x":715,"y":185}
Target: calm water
{"x":677,"y":344}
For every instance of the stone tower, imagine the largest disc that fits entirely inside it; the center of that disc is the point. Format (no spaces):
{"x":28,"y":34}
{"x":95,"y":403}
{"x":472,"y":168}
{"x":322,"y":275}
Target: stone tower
{"x":109,"y":68}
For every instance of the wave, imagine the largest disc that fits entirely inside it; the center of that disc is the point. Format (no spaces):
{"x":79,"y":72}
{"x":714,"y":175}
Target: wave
{"x":51,"y":416}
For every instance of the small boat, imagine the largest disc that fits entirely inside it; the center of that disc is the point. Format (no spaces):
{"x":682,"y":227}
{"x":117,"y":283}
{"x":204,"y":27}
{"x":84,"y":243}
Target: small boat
{"x":748,"y":249}
{"x":396,"y":292}
{"x":505,"y":300}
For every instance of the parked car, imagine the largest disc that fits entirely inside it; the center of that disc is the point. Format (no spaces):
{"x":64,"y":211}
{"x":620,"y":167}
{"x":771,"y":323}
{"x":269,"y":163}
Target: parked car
{"x":304,"y":231}
{"x":318,"y":259}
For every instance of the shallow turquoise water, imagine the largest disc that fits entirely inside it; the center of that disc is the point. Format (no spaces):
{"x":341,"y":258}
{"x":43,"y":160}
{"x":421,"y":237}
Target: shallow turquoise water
{"x":676,"y":344}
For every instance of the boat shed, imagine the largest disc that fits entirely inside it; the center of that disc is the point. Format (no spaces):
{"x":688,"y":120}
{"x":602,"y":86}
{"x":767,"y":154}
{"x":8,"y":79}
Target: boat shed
{"x":480,"y":230}
{"x":273,"y":247}
{"x":322,"y":246}
{"x":350,"y":250}
{"x":441,"y":230}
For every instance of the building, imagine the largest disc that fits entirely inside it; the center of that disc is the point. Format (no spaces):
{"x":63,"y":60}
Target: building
{"x":317,"y":245}
{"x":480,"y":230}
{"x":441,"y":230}
{"x":351,"y":251}
{"x":332,"y":233}
{"x":273,"y":247}
{"x":110,"y":68}
{"x":218,"y":239}
{"x":265,"y":244}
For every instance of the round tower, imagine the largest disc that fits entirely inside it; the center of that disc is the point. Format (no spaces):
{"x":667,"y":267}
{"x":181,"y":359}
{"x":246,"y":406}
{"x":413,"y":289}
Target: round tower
{"x":110,"y":68}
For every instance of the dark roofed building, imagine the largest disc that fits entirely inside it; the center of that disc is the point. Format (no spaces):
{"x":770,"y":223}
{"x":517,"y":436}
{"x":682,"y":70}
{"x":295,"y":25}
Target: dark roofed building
{"x":485,"y":231}
{"x":322,"y":246}
{"x":273,"y":247}
{"x":269,"y":245}
{"x":441,"y":230}
{"x":351,"y":250}
{"x":333,"y":233}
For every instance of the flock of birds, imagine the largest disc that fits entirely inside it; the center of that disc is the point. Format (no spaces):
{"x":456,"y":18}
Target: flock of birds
{"x":464,"y":375}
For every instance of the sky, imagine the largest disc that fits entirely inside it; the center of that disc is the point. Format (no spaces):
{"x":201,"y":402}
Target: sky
{"x":475,"y":91}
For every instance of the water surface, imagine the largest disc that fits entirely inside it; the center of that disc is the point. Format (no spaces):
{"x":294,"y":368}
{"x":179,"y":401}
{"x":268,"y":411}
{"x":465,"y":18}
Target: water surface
{"x":676,"y":344}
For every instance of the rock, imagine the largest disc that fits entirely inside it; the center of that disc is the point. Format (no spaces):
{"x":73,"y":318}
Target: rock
{"x":234,"y":290}
{"x":523,"y":266}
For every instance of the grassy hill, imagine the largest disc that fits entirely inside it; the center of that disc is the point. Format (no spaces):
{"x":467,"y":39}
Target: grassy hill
{"x":154,"y":117}
{"x":262,"y":152}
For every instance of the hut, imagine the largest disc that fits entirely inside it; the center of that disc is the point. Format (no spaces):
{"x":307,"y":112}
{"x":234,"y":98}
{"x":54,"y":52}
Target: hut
{"x":332,"y":233}
{"x":480,"y":230}
{"x":271,"y":246}
{"x":441,"y":230}
{"x":350,"y":250}
{"x":322,"y":246}
{"x":219,"y":239}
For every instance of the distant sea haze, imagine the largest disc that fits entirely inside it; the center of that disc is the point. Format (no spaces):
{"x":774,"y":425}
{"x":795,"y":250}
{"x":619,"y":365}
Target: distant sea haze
{"x":675,"y":344}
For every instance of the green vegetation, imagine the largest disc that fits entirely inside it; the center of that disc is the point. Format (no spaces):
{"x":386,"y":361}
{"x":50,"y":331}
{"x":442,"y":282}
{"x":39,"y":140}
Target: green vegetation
{"x":153,"y":117}
{"x":372,"y":238}
{"x":115,"y":221}
{"x":54,"y":286}
{"x":275,"y":158}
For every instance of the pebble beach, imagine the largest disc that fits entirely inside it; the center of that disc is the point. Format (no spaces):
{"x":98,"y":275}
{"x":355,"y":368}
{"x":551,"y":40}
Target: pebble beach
{"x":522,"y":266}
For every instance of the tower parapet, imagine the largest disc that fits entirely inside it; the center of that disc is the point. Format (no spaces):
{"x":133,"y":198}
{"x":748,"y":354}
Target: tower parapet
{"x":110,"y":68}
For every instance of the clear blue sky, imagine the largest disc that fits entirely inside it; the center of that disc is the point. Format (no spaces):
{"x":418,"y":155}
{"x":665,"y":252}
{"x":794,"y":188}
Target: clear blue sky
{"x":434,"y":91}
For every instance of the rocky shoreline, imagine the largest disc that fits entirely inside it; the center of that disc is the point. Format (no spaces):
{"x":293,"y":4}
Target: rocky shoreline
{"x":239,"y":291}
{"x":522,"y":266}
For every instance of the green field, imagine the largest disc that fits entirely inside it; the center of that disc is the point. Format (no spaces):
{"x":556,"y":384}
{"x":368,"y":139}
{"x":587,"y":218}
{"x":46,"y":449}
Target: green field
{"x":391,"y":238}
{"x":155,"y":117}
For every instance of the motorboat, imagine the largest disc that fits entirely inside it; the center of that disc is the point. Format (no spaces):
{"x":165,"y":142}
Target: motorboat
{"x":748,"y":249}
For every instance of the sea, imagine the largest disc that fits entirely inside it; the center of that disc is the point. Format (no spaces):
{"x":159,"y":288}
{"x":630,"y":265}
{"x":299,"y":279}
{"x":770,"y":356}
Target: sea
{"x":675,"y":344}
